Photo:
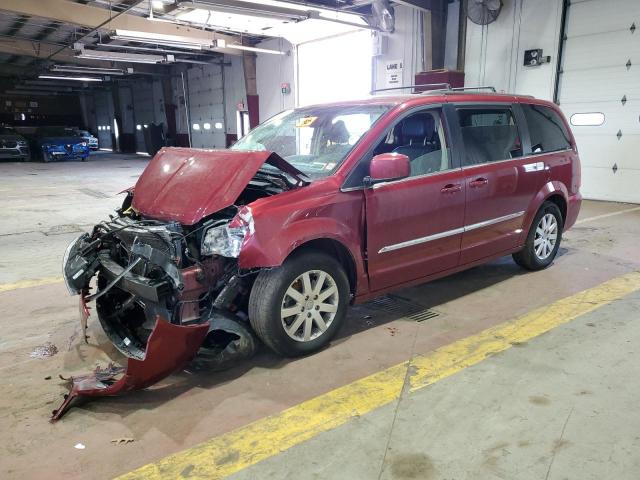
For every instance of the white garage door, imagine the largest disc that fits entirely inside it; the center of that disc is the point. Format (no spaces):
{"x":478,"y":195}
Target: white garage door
{"x":601,"y":74}
{"x":206,"y":107}
{"x":334,"y":69}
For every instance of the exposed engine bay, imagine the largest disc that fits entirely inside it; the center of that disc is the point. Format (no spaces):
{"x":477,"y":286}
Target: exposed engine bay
{"x":164,"y":290}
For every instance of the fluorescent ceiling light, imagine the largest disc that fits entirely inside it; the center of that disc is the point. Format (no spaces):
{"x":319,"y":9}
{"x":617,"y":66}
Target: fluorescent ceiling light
{"x":248,"y":8}
{"x":89,"y":70}
{"x":121,"y":56}
{"x":277,"y":8}
{"x":176,"y":41}
{"x":80,"y":79}
{"x":255,"y":49}
{"x":28,"y":94}
{"x":301,"y":24}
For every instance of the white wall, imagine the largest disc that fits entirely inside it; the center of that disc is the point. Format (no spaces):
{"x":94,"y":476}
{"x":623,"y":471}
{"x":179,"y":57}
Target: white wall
{"x":271,"y":72}
{"x":405,"y":44}
{"x":494,"y":53}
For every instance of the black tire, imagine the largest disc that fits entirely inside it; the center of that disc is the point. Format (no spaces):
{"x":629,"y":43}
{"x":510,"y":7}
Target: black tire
{"x":46,"y":158}
{"x":527,"y":257}
{"x":268,"y":294}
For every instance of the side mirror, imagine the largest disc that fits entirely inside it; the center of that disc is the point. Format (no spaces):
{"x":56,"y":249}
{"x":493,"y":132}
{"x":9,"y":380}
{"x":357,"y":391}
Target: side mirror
{"x":388,"y":166}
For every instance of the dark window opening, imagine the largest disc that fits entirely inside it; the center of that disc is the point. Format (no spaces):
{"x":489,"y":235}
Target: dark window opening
{"x":489,"y":135}
{"x":547,"y":130}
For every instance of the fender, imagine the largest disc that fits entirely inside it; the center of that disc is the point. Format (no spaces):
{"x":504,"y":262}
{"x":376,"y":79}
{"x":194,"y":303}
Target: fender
{"x":550,"y":188}
{"x":273,"y":241}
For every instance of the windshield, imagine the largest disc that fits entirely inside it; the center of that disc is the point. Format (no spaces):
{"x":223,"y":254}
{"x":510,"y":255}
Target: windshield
{"x":315,"y":140}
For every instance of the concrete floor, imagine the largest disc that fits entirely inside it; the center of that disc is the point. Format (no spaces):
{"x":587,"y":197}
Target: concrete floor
{"x":561,"y":407}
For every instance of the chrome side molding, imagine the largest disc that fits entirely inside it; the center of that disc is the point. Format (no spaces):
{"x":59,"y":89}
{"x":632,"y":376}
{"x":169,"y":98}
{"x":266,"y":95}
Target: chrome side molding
{"x":449,"y":233}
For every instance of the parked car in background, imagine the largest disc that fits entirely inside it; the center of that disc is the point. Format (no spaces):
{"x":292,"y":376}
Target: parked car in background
{"x":59,"y":143}
{"x":13,"y":145}
{"x":315,"y":209}
{"x":90,"y":139}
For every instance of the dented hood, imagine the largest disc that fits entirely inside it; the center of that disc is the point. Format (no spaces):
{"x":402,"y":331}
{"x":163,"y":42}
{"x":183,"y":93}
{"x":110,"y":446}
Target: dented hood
{"x":185,"y":184}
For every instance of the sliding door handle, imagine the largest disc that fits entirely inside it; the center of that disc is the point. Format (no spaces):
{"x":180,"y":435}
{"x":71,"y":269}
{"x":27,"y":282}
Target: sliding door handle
{"x":478,"y":182}
{"x":451,"y":188}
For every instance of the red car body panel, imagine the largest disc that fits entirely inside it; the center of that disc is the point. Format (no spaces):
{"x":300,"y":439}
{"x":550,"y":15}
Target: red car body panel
{"x":185,"y":185}
{"x":169,"y":348}
{"x":396,"y":212}
{"x":318,"y":211}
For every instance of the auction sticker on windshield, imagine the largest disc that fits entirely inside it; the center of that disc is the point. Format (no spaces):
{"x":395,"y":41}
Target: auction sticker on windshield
{"x":305,"y":122}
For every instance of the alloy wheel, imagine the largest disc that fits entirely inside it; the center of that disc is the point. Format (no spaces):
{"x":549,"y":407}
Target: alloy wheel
{"x":309,"y":305}
{"x":546,"y":236}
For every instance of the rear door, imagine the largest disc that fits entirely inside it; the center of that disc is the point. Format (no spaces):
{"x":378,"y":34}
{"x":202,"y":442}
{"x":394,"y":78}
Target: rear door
{"x":500,"y":182}
{"x":414,"y":225}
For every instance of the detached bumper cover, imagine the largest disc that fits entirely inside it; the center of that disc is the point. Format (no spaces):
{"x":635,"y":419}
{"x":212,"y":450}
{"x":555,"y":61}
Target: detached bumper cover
{"x":169,"y":348}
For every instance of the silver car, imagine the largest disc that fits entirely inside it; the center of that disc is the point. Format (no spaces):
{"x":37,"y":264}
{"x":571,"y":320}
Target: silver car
{"x":12,"y":145}
{"x":90,"y":139}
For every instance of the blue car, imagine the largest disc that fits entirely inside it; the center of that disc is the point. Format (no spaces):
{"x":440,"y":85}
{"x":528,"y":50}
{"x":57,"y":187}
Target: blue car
{"x":60,"y":143}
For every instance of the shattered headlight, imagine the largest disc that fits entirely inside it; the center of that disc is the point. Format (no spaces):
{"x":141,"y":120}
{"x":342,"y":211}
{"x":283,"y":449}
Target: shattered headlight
{"x":226,"y":240}
{"x":74,"y":266}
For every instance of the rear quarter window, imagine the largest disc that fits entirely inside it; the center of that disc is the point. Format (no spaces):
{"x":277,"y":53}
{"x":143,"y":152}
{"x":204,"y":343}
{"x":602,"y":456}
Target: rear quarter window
{"x":547,"y":130}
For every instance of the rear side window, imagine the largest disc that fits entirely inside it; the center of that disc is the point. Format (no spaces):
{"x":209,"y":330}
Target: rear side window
{"x":489,"y":135}
{"x":547,"y":130}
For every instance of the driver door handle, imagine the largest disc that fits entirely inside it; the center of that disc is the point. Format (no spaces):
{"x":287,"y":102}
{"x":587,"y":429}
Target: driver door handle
{"x":478,"y":182}
{"x":451,"y":188}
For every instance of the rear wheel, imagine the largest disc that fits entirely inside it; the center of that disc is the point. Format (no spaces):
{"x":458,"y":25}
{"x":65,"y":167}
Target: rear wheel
{"x":543,"y":239}
{"x":298,"y":308}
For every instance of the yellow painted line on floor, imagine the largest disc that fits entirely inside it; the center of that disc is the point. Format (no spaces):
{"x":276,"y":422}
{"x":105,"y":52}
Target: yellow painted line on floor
{"x":248,"y":445}
{"x":5,"y":287}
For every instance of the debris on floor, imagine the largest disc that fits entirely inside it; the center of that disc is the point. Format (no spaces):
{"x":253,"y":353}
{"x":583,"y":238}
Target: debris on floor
{"x":48,"y":377}
{"x":123,"y":440}
{"x":43,"y":351}
{"x":79,"y":446}
{"x":392,"y":331}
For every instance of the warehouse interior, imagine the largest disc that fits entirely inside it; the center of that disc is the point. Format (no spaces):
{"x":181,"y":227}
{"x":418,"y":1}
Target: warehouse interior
{"x":492,"y":372}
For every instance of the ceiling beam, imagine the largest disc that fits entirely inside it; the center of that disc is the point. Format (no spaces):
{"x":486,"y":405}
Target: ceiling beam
{"x":42,"y":50}
{"x":17,"y":25}
{"x":66,"y":11}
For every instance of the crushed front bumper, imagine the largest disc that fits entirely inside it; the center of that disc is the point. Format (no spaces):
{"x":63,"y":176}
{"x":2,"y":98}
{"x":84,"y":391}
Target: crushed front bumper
{"x":171,"y":335}
{"x":169,"y":348}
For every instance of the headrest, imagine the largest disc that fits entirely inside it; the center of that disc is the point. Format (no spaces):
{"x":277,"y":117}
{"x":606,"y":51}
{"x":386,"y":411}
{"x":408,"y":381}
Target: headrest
{"x":417,"y":126}
{"x":338,"y":133}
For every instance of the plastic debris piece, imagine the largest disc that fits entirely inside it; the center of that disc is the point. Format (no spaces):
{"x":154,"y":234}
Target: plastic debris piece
{"x":79,"y":446}
{"x":125,"y":440}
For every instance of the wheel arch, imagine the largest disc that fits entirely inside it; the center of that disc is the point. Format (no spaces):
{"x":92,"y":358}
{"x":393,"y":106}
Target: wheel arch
{"x":560,"y":202}
{"x":335,"y":249}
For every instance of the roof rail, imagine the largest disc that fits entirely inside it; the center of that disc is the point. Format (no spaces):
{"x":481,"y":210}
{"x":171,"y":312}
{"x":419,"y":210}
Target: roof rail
{"x":446,"y":85}
{"x":484,"y":87}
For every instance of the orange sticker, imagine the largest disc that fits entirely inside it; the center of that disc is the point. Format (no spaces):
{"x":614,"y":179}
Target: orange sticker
{"x":305,"y":122}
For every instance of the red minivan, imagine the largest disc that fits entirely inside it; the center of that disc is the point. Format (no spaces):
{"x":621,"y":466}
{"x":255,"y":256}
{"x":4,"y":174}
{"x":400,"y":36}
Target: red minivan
{"x":317,"y":208}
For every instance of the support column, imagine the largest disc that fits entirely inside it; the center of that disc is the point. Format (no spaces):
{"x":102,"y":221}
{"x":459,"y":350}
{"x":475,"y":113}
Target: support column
{"x":253,"y":105}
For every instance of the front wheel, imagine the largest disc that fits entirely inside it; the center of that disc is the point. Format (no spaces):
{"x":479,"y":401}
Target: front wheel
{"x":543,"y":239}
{"x":296,"y":309}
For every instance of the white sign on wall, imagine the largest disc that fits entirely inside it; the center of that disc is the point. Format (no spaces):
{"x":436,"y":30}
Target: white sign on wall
{"x":393,"y":73}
